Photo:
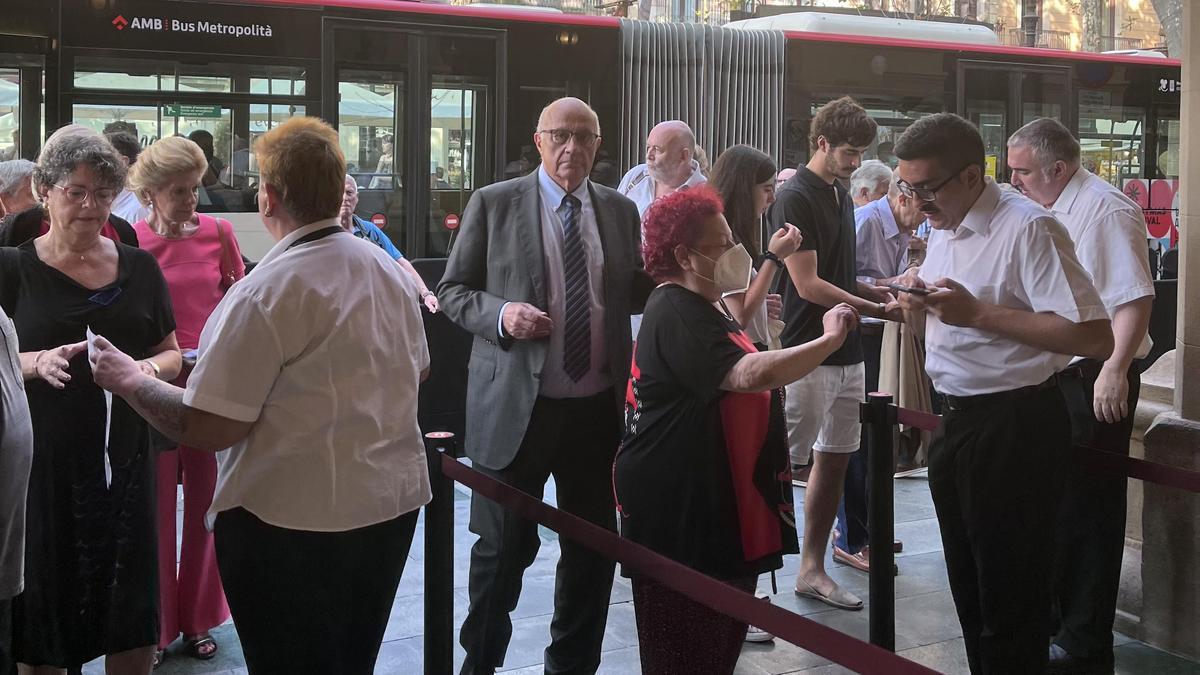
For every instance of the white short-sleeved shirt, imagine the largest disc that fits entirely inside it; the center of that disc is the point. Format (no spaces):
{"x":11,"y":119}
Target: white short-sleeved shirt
{"x":639,"y":186}
{"x":321,"y":347}
{"x":1007,"y":251}
{"x":1109,"y":231}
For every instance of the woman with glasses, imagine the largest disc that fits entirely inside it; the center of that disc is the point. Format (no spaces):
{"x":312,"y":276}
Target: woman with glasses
{"x":200,"y":259}
{"x":90,"y":557}
{"x":702,"y":474}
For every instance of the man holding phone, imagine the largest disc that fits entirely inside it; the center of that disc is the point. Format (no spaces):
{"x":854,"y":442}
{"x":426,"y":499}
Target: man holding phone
{"x":1010,"y":303}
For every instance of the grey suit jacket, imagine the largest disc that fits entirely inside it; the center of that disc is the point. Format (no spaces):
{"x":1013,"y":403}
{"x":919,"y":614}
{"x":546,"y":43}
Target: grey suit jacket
{"x":497,"y":258}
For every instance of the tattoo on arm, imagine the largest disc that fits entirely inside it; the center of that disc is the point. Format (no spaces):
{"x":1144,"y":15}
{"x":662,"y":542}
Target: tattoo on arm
{"x":162,"y":405}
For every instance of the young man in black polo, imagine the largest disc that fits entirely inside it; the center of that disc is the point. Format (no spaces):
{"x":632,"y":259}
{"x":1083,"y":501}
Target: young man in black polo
{"x":822,"y":407}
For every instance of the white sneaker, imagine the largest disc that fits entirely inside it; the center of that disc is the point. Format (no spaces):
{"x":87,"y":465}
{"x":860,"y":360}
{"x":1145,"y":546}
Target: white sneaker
{"x":754,"y":633}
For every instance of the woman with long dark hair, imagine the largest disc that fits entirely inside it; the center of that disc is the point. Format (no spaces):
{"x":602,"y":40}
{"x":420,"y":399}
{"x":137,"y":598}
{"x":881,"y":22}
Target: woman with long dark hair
{"x":745,"y":179}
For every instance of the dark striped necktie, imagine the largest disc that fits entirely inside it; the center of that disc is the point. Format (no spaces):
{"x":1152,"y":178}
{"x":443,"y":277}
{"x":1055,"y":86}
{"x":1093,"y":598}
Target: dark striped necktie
{"x":577,"y":325}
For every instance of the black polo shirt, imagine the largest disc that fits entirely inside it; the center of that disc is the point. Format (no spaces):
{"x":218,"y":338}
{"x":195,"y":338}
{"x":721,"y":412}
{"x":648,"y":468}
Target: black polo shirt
{"x":824,"y":214}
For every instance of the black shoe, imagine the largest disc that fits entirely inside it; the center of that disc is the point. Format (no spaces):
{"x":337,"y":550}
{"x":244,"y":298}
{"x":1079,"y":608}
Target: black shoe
{"x":1062,"y":663}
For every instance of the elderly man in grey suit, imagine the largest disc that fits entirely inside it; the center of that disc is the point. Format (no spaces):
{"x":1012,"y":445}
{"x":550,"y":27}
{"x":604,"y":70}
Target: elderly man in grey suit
{"x":545,"y":274}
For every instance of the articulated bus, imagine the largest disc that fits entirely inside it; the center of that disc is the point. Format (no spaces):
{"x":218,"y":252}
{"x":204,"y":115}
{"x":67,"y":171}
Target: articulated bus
{"x":432,"y":101}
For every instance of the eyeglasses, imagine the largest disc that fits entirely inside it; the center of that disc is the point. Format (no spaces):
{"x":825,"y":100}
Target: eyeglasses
{"x":77,"y":195}
{"x":926,"y":194}
{"x":561,"y":136}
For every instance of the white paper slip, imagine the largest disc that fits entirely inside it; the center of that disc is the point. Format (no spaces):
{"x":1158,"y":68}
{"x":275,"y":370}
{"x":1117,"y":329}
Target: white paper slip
{"x":91,"y":348}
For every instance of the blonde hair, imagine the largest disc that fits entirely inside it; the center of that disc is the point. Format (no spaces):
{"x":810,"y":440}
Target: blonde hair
{"x":164,"y":160}
{"x":302,"y":160}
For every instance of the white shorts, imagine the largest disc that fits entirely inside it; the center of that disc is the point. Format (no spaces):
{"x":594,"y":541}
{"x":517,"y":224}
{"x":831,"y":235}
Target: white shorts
{"x":822,"y":411}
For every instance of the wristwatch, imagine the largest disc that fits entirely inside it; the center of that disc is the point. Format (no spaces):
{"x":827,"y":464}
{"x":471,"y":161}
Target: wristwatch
{"x":773,"y":258}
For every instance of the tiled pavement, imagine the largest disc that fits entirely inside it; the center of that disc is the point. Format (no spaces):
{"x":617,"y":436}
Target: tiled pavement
{"x":926,"y":626}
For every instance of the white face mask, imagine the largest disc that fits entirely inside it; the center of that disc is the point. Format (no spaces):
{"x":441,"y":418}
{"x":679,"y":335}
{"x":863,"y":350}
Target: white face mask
{"x":732,"y":271}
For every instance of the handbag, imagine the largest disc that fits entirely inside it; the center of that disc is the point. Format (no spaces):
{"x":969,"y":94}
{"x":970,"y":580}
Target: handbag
{"x":228,"y":269}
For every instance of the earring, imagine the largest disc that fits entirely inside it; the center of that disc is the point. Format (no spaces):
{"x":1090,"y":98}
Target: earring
{"x":267,"y":213}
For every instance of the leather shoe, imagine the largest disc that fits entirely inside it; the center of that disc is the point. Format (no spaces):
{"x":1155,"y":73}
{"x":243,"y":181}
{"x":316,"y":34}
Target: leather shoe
{"x":1062,"y":663}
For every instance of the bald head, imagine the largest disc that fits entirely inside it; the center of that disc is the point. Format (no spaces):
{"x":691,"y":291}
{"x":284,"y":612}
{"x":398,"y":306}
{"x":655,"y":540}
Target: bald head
{"x":670,"y":148}
{"x":567,"y":138}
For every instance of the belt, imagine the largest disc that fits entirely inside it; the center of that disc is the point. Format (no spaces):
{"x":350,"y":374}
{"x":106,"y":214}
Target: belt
{"x":961,"y":403}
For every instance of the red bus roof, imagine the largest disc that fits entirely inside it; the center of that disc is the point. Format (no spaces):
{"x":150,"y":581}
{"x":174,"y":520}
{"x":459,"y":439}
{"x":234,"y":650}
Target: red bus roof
{"x":1000,"y":50}
{"x":567,"y":19}
{"x":464,"y":11}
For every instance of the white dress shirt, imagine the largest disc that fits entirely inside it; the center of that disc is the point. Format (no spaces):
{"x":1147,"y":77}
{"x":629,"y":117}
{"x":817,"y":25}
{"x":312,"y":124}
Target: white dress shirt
{"x":1007,"y":251}
{"x":555,"y":381}
{"x":322,"y":349}
{"x":639,"y":186}
{"x":1109,"y":231}
{"x":127,"y":207}
{"x":882,"y":249}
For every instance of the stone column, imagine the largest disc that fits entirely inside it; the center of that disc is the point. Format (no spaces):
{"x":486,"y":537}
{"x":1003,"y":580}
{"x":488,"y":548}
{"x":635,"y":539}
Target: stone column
{"x":1171,"y":518}
{"x":1187,"y":340}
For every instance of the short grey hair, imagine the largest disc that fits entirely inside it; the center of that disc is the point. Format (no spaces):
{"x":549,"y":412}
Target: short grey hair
{"x":72,"y":146}
{"x":13,"y":173}
{"x":872,"y":175}
{"x":1049,"y":140}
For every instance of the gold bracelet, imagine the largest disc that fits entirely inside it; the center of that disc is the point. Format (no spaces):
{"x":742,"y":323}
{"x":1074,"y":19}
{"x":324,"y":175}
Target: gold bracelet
{"x":157,"y":370}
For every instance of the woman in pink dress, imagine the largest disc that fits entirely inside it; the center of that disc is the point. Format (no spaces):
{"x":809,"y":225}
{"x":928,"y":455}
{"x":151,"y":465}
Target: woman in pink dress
{"x":199,"y":257}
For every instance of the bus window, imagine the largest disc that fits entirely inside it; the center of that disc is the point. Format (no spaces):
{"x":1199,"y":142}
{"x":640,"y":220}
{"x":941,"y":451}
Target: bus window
{"x":1110,"y":138}
{"x":371,"y":133}
{"x":10,"y":114}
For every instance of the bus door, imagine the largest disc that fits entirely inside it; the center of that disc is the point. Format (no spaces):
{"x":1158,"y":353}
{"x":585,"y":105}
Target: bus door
{"x":420,"y":117}
{"x":1000,"y":98}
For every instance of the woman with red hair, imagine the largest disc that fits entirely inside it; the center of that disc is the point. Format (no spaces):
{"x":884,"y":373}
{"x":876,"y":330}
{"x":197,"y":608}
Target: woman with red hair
{"x":702,"y":473}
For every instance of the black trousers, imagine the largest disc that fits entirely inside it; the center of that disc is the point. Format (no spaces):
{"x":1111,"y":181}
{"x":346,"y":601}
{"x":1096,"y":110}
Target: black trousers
{"x":995,"y":475}
{"x":310,"y":602}
{"x":1091,"y":522}
{"x":575,"y":441}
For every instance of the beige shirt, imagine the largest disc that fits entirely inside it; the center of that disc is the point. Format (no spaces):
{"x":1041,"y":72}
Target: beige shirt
{"x":322,"y":349}
{"x":1008,"y":251}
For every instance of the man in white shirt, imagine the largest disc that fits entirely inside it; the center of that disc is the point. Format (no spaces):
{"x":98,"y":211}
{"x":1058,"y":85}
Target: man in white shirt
{"x":1007,"y":304}
{"x":670,"y":165}
{"x":127,"y":206}
{"x":1109,"y":232}
{"x":870,"y":182}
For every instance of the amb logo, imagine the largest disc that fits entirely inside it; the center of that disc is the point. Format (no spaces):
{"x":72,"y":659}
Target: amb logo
{"x":138,"y":23}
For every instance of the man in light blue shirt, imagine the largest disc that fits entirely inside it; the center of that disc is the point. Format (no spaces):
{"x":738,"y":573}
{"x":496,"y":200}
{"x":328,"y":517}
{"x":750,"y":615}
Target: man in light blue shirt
{"x":883,"y":228}
{"x":370,"y":231}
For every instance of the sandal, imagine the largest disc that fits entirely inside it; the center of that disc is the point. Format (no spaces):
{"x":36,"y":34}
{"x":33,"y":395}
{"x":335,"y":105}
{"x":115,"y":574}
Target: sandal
{"x":160,"y":655}
{"x":202,"y":648}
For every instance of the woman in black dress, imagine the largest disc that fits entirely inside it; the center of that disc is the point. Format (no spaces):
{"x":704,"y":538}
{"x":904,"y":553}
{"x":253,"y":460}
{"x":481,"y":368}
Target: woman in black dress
{"x":702,"y":474}
{"x":90,"y":557}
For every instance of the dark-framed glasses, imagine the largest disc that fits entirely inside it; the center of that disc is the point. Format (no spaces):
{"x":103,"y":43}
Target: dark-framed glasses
{"x":561,"y":136}
{"x":77,"y":195}
{"x":926,"y":194}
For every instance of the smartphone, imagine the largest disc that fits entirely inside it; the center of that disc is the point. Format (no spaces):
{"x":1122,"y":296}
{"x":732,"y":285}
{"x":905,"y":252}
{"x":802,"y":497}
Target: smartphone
{"x":910,"y":289}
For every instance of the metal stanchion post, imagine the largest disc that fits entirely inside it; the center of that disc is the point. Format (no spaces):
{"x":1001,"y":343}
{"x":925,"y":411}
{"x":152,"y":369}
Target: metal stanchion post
{"x":439,"y":558}
{"x":880,"y":416}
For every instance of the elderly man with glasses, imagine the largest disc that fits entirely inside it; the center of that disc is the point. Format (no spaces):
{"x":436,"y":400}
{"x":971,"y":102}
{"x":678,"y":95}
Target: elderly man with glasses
{"x":1003,"y":303}
{"x":545,"y":274}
